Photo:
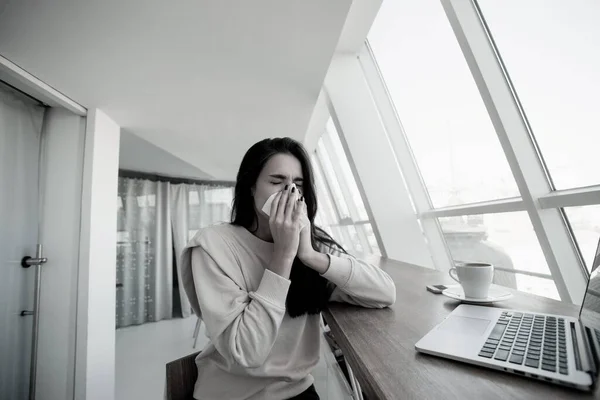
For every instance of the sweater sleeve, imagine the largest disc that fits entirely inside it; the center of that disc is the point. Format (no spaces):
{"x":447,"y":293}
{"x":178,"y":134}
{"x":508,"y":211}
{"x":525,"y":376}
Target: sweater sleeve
{"x":242,"y":325}
{"x":358,"y":282}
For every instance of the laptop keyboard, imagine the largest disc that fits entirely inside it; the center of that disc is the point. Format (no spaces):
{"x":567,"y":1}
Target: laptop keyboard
{"x":536,"y":341}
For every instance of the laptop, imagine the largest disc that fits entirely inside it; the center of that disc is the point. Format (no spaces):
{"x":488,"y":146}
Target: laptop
{"x":553,"y":348}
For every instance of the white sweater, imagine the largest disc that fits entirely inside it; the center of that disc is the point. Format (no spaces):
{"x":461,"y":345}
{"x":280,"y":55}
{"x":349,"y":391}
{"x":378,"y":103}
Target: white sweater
{"x":256,"y":350}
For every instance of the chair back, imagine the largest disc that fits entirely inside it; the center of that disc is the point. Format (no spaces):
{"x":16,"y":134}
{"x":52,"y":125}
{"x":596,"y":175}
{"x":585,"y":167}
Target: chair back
{"x":181,"y":378}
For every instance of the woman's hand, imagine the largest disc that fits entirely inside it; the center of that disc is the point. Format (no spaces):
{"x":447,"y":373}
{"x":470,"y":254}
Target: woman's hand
{"x":306,"y":253}
{"x":305,"y":249}
{"x":285,"y":225}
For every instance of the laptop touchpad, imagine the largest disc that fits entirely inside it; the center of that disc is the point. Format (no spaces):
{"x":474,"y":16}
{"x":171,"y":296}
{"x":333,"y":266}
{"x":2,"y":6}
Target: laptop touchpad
{"x":464,"y":325}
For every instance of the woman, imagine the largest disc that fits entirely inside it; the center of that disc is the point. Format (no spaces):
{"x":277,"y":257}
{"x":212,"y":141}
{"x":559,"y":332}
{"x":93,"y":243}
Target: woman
{"x":260,"y":282}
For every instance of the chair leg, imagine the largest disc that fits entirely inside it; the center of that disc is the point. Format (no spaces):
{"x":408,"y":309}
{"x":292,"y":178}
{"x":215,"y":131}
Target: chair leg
{"x":197,"y":331}
{"x":196,"y":328}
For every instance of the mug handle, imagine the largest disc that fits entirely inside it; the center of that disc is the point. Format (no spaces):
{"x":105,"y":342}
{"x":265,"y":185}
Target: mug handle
{"x":455,"y":277}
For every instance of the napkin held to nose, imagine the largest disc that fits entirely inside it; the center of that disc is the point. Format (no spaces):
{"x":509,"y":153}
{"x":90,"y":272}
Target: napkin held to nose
{"x":267,"y":207}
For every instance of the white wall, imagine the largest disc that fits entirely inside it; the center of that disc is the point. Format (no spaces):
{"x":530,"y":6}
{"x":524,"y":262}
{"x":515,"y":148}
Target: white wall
{"x":95,"y":358}
{"x":318,"y":121}
{"x":62,"y":165}
{"x":362,"y":132}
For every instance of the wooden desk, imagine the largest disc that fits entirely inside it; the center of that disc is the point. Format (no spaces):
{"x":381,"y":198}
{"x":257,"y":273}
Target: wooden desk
{"x":379,"y":345}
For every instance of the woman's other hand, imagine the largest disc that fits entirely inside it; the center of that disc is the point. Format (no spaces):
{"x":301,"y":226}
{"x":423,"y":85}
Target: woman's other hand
{"x":305,"y":249}
{"x":306,"y":253}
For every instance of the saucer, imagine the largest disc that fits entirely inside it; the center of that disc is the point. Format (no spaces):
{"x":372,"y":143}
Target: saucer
{"x":496,"y":293}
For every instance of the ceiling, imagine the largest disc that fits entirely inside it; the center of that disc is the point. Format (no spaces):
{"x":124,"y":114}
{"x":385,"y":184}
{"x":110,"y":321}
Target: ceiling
{"x":202,"y":80}
{"x":137,"y":154}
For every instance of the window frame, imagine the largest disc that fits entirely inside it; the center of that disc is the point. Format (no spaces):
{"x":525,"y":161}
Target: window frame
{"x":344,"y":185}
{"x":340,"y":223}
{"x":538,"y":197}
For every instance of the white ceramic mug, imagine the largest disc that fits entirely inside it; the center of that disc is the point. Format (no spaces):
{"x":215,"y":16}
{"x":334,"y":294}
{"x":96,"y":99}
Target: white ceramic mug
{"x":475,"y":278}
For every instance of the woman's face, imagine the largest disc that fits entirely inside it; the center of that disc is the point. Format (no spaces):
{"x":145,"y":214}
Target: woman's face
{"x":281,"y":170}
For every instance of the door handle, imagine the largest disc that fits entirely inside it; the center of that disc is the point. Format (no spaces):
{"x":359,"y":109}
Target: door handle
{"x":27,"y":261}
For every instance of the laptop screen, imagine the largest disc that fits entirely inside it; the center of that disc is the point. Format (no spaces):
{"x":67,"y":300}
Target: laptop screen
{"x":590,"y":309}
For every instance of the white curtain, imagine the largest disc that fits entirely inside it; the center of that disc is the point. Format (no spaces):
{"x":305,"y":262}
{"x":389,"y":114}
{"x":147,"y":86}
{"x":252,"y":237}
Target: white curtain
{"x":194,"y":207}
{"x":209,"y":205}
{"x":144,"y":252}
{"x":155,"y":222}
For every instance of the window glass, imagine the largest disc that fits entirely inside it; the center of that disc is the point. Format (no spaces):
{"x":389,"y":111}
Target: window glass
{"x":505,"y":240}
{"x":447,"y":125}
{"x":551,"y":51}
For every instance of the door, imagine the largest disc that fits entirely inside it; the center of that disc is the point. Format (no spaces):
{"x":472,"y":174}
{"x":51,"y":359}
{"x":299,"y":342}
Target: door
{"x":21,"y":120}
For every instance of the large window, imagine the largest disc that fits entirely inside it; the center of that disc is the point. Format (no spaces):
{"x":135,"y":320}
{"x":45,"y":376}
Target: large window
{"x":554,"y":68}
{"x":436,"y":98}
{"x":341,"y":210}
{"x":549,"y":51}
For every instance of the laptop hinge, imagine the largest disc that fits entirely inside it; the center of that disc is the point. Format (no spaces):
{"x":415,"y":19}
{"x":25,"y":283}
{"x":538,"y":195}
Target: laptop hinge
{"x":583,"y":357}
{"x":592,"y":349}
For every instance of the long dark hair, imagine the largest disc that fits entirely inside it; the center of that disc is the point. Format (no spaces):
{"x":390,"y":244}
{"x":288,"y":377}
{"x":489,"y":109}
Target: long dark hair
{"x":309,"y":291}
